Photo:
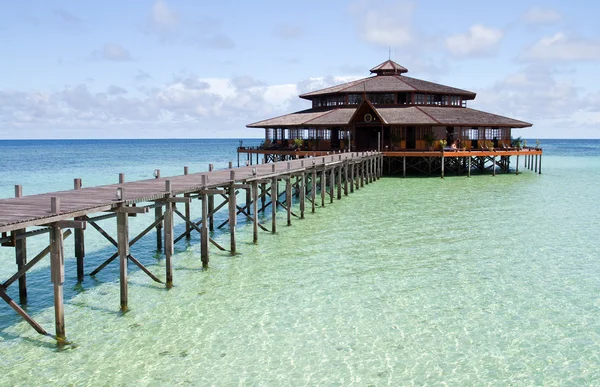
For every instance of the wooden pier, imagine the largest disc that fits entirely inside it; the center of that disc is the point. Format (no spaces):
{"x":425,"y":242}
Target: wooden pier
{"x":310,"y":179}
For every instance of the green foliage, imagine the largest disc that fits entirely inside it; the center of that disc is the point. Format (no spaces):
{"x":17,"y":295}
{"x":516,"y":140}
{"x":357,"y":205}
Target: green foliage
{"x":429,"y":138}
{"x":443,"y":143}
{"x":298,"y":142}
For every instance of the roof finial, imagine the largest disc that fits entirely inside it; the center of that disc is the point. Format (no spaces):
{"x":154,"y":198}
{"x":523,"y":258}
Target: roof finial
{"x":389,"y":53}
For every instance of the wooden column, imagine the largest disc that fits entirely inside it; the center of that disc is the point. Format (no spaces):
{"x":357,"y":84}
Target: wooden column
{"x":323,"y":182}
{"x":157,"y":214}
{"x":352,"y":179}
{"x":123,"y":250}
{"x":346,"y":177}
{"x":188,"y":228}
{"x":469,"y":166}
{"x":255,"y":212}
{"x":302,"y":185}
{"x":494,"y":165}
{"x":204,"y":231}
{"x":57,"y":274}
{"x":443,"y":162}
{"x":169,"y":235}
{"x":211,"y":205}
{"x":339,"y":182}
{"x":540,"y":165}
{"x":263,"y":196}
{"x":232,"y":211}
{"x":331,"y":184}
{"x":79,"y":241}
{"x":21,"y":254}
{"x":274,"y":204}
{"x":288,"y":199}
{"x":517,"y":168}
{"x":362,"y":172}
{"x":403,"y":166}
{"x":535,"y":164}
{"x":313,"y":191}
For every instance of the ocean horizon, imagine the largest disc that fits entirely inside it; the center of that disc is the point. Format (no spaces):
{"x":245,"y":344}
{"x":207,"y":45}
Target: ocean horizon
{"x":482,"y":280}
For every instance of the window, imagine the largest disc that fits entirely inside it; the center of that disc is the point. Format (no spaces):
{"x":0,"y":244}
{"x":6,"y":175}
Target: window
{"x":354,"y":99}
{"x":381,"y":99}
{"x":491,"y":133}
{"x":420,"y":99}
{"x":444,"y":100}
{"x":403,"y":98}
{"x":455,"y":100}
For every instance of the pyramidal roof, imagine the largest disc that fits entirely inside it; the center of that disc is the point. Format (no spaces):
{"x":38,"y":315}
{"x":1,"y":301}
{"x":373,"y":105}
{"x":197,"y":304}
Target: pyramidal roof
{"x":388,"y":67}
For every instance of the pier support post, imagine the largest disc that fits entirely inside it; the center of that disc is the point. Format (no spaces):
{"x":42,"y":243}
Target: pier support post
{"x":232,"y":211}
{"x":274,"y":199}
{"x":517,"y":166}
{"x":469,"y":166}
{"x":443,"y":162}
{"x":211,"y":205}
{"x":204,"y":231}
{"x":288,"y":199}
{"x":123,"y":250}
{"x":346,"y":177}
{"x":254,"y":212}
{"x":188,"y":228}
{"x":169,"y":235}
{"x":21,"y":255}
{"x":157,"y":215}
{"x":339,"y":182}
{"x":494,"y":165}
{"x":323,"y":182}
{"x":540,"y":165}
{"x":57,"y":273}
{"x":535,"y":163}
{"x":352,"y":179}
{"x":403,"y":166}
{"x":313,"y":191}
{"x":302,"y":185}
{"x":79,"y":241}
{"x":331,"y":184}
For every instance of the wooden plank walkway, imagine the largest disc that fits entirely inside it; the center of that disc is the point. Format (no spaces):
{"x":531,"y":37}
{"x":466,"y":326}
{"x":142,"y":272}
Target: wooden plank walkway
{"x":35,"y":210}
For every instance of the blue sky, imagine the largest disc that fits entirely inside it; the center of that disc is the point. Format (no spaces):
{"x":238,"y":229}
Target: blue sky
{"x":205,"y":69}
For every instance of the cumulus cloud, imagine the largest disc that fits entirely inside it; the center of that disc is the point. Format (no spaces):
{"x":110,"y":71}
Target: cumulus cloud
{"x":112,"y":52}
{"x":204,"y":102}
{"x":540,"y":15}
{"x":479,"y":40}
{"x":390,"y":25}
{"x":560,"y":47}
{"x":141,"y":76}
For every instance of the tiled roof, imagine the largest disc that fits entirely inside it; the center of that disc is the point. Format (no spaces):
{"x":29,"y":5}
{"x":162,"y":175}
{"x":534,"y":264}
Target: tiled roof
{"x":405,"y":115}
{"x":389,"y":66}
{"x":389,"y":83}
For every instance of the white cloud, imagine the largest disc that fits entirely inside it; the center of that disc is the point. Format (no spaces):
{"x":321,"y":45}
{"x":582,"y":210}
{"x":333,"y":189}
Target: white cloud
{"x":479,"y":40}
{"x":559,"y":47}
{"x":540,"y":15}
{"x":112,"y":52}
{"x":162,"y":15}
{"x":389,"y":25}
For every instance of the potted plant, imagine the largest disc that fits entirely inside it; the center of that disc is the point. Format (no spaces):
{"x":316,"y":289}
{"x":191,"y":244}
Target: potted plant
{"x":537,"y":144}
{"x":429,"y":139}
{"x":443,"y":144}
{"x":489,"y":145}
{"x":298,"y":143}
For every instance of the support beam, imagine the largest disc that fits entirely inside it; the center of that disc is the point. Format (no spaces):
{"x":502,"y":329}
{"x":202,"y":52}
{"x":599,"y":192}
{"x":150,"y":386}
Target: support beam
{"x":204,"y":232}
{"x":123,"y":249}
{"x":254,"y":212}
{"x":169,"y":248}
{"x":443,"y":159}
{"x":302,"y":185}
{"x":21,"y":254}
{"x":323,"y":189}
{"x":339,"y":182}
{"x":313,"y":190}
{"x":57,"y":275}
{"x":274,"y":199}
{"x":79,"y":241}
{"x":288,"y":199}
{"x":232,"y":211}
{"x":517,"y":166}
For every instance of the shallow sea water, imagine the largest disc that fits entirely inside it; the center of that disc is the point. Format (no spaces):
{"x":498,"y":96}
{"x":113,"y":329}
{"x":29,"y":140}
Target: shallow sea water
{"x":418,"y":281}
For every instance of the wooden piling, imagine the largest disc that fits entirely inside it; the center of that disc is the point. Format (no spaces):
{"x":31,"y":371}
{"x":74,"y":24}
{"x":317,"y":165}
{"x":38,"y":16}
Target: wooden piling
{"x":232,"y":211}
{"x":346,"y":177}
{"x":331,"y":184}
{"x":403,"y":166}
{"x":288,"y":198}
{"x":168,"y":221}
{"x":21,"y":254}
{"x":443,"y":159}
{"x":323,"y":185}
{"x":313,"y":190}
{"x":302,"y":185}
{"x":517,"y":167}
{"x":123,"y":249}
{"x":352,"y":179}
{"x":204,"y":231}
{"x":255,"y":212}
{"x":274,"y":199}
{"x":57,"y":274}
{"x":494,"y":165}
{"x":339,"y":182}
{"x":79,"y":241}
{"x":469,"y":166}
{"x":540,"y":164}
{"x":211,"y":205}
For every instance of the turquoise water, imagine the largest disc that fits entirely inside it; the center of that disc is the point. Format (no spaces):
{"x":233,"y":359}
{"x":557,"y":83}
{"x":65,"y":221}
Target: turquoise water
{"x":458,"y":281}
